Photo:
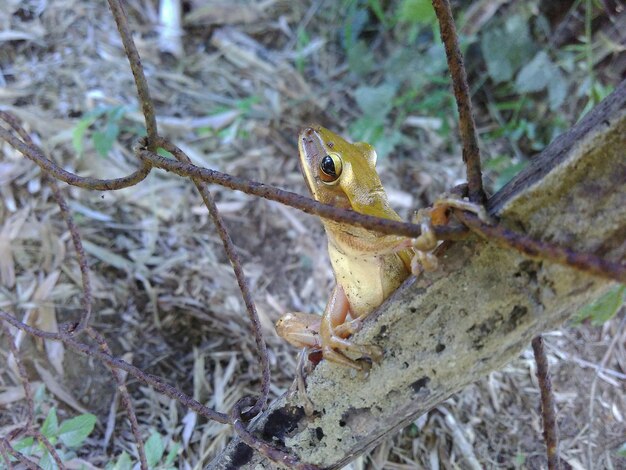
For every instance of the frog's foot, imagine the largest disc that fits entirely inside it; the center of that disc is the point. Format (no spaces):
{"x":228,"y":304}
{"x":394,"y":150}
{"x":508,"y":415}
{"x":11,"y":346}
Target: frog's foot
{"x":438,"y":214}
{"x":424,"y":259}
{"x":302,"y":370}
{"x":340,"y":350}
{"x":348,"y":328}
{"x":441,"y":207}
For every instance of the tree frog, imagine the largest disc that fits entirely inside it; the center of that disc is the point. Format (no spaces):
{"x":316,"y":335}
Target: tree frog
{"x":368,"y":265}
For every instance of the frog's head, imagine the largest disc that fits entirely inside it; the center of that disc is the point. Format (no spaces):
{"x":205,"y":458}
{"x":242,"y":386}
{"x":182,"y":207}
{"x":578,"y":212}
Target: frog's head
{"x":341,"y":173}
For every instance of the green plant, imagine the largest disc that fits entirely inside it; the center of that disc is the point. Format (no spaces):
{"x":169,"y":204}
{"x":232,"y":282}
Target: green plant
{"x":64,"y":437}
{"x":603,"y":309}
{"x":106,"y":123}
{"x":156,"y":458}
{"x":503,"y":169}
{"x":69,"y":435}
{"x":389,"y":85}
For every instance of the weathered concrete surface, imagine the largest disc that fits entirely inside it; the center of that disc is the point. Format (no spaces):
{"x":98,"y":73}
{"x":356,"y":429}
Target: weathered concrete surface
{"x":445,"y":330}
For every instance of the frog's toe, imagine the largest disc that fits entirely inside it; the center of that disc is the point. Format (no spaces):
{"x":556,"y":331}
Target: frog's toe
{"x":338,"y":349}
{"x":423,"y":261}
{"x":348,"y":328}
{"x":338,"y":358}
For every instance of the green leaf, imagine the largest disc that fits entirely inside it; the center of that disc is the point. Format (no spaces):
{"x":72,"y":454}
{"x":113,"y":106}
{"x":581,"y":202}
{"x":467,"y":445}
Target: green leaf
{"x":164,"y":153}
{"x":387,"y":142}
{"x":103,"y":140}
{"x":355,"y":22}
{"x":416,"y":11}
{"x":302,"y":39}
{"x":154,"y":449}
{"x":604,"y":308}
{"x":379,"y":11}
{"x":123,"y":462}
{"x":102,"y":143}
{"x":360,"y":59}
{"x":112,"y":130}
{"x":622,"y":450}
{"x":40,"y":395}
{"x":171,"y":455}
{"x":78,"y":135}
{"x":50,"y":426}
{"x":508,"y":173}
{"x":506,"y":49}
{"x":538,"y":74}
{"x":24,"y":446}
{"x":369,"y":130}
{"x":73,"y":432}
{"x":366,"y":129}
{"x":83,"y":125}
{"x":116,"y":113}
{"x":47,"y":462}
{"x":375,"y":102}
{"x":557,"y":90}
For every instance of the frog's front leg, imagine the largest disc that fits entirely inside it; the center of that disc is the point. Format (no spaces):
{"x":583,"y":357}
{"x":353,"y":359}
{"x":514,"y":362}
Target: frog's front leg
{"x":334,"y":329}
{"x":438,"y":214}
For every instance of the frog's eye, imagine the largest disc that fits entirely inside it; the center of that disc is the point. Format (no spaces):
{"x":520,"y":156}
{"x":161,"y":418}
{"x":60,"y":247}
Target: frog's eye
{"x":330,"y":167}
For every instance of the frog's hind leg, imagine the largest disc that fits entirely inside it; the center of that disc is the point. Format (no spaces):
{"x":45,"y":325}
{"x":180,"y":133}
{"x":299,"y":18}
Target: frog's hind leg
{"x":332,"y":334}
{"x":300,"y":329}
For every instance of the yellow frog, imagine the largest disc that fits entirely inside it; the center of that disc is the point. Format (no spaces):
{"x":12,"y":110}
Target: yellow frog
{"x":368,"y":265}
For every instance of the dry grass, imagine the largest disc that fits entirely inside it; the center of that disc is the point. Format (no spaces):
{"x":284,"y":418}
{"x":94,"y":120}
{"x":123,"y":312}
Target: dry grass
{"x":165,"y":296}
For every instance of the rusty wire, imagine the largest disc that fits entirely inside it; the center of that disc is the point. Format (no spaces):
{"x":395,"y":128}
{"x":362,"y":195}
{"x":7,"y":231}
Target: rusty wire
{"x":32,"y":153}
{"x":272,"y":193}
{"x":112,"y":361}
{"x":522,"y":243}
{"x":124,"y":396}
{"x":540,"y":249}
{"x":80,"y":255}
{"x":6,"y":447}
{"x":271,"y":452}
{"x":69,"y":221}
{"x":143,"y":91}
{"x":48,"y":445}
{"x":467,"y":126}
{"x":28,"y":393}
{"x":147,"y":105}
{"x":548,"y":407}
{"x":585,"y":262}
{"x":476,"y":193}
{"x":231,"y":252}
